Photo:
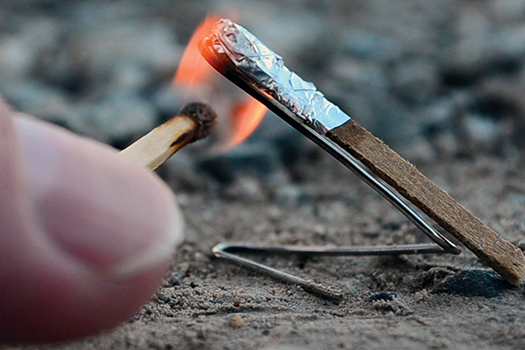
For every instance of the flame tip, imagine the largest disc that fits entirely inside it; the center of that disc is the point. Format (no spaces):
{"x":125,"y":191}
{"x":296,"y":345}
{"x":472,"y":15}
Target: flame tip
{"x":193,"y":71}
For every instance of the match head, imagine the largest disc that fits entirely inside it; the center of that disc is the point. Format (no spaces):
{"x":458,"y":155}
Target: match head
{"x":203,"y":115}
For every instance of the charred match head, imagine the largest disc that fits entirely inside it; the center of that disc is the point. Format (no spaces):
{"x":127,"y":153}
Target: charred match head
{"x":203,"y":115}
{"x":195,"y":121}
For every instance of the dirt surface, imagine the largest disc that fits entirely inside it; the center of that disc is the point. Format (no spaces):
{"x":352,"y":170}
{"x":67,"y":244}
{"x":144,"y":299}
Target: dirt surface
{"x":406,"y":302}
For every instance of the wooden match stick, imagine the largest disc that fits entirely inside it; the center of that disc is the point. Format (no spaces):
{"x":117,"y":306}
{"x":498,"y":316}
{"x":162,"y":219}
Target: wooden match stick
{"x":195,"y":121}
{"x":504,"y":257}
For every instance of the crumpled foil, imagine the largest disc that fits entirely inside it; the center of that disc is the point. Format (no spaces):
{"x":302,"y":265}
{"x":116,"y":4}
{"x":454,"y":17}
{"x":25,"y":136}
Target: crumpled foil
{"x":267,"y":71}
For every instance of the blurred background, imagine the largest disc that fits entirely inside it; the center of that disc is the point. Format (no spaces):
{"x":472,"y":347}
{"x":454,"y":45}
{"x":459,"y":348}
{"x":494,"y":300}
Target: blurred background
{"x":435,"y":79}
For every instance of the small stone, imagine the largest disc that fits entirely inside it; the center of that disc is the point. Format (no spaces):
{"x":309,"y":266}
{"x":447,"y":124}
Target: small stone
{"x":100,"y":49}
{"x":130,"y":77}
{"x":392,"y":306}
{"x":469,"y":283}
{"x":359,"y":73}
{"x":275,"y":213}
{"x":167,"y":101}
{"x":119,"y":118}
{"x":164,"y":295}
{"x":472,"y":28}
{"x":352,"y":288}
{"x":289,"y":195}
{"x":416,"y":80}
{"x":446,"y":144}
{"x":38,"y":99}
{"x":16,"y":58}
{"x":246,"y":188}
{"x":385,"y":296}
{"x":25,"y":46}
{"x":257,"y":159}
{"x":484,"y":309}
{"x":421,"y":295}
{"x":419,"y":150}
{"x":481,"y":129}
{"x":441,"y":111}
{"x":368,"y":45}
{"x":204,"y":305}
{"x":155,"y":344}
{"x":182,"y":176}
{"x":174,"y":279}
{"x":507,"y":45}
{"x":372,"y":231}
{"x":508,"y":10}
{"x":237,"y":322}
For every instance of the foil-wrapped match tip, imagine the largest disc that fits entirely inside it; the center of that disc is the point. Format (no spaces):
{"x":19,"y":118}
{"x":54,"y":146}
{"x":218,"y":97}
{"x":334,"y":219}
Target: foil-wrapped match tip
{"x":203,"y":115}
{"x":232,"y":49}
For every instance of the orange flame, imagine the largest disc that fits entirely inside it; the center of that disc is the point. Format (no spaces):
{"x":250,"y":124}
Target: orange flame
{"x":245,"y":118}
{"x":194,"y":70}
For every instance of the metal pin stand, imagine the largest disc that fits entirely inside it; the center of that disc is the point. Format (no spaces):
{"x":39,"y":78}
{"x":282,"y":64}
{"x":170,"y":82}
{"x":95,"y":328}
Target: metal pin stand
{"x":255,"y":73}
{"x":229,"y":251}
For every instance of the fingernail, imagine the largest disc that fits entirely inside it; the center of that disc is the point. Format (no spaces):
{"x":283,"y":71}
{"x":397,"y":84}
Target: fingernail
{"x":107,"y":213}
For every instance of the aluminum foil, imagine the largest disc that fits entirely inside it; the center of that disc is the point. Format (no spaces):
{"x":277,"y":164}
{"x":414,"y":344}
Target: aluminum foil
{"x":267,"y":71}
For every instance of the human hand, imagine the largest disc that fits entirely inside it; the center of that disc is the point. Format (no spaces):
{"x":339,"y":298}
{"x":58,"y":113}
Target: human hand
{"x":85,"y":234}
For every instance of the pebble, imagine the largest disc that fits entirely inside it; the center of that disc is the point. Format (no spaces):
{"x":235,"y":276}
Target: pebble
{"x":418,"y":151}
{"x":471,"y":283}
{"x":484,"y":309}
{"x":439,"y":112}
{"x":166,"y":101}
{"x":368,"y":45}
{"x":124,"y":117}
{"x":37,"y":99}
{"x":245,"y":188}
{"x":16,"y":58}
{"x":446,"y":144}
{"x":237,"y":322}
{"x":416,"y":80}
{"x":507,"y":45}
{"x":359,"y":73}
{"x":275,"y":213}
{"x":103,"y":48}
{"x":173,"y":279}
{"x":289,"y":195}
{"x":385,"y":296}
{"x":352,"y":288}
{"x":27,"y":44}
{"x":256,"y":159}
{"x":130,"y":78}
{"x":156,"y":344}
{"x":481,"y":129}
{"x":508,"y":10}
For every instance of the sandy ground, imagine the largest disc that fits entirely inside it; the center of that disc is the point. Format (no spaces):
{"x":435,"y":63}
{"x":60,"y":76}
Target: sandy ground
{"x":407,"y":302}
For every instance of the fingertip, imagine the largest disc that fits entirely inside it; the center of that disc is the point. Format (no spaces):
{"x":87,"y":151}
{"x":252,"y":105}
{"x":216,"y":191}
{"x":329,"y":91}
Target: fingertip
{"x":98,"y":206}
{"x":105,"y":231}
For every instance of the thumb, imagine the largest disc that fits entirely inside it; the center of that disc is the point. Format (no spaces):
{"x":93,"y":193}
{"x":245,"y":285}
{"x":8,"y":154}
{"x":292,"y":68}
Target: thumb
{"x":89,"y":238}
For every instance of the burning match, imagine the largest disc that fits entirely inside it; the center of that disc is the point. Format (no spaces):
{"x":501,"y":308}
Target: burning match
{"x":242,"y":58}
{"x":195,"y":121}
